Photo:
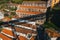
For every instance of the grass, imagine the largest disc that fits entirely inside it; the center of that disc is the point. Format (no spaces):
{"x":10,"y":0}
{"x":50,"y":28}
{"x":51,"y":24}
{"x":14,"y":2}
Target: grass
{"x":50,"y":25}
{"x":57,"y":6}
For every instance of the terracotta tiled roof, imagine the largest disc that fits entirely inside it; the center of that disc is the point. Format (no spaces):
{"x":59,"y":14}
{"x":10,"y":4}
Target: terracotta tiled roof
{"x":22,"y":38}
{"x":9,"y":32}
{"x":27,"y":25}
{"x":4,"y":37}
{"x":52,"y":33}
{"x":36,"y":7}
{"x":26,"y":31}
{"x":33,"y":38}
{"x":30,"y":25}
{"x":27,"y":12}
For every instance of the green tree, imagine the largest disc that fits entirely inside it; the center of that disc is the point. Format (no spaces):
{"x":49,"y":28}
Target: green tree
{"x":17,"y":1}
{"x":31,"y":0}
{"x":13,"y":13}
{"x":57,"y":7}
{"x":4,"y":1}
{"x":6,"y":15}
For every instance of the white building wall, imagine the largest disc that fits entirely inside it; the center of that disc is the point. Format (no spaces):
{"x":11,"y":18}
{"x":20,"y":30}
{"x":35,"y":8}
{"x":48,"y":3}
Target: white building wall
{"x":54,"y":38}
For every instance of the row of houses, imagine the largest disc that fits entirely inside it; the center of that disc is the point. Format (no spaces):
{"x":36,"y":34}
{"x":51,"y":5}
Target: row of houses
{"x":26,"y":31}
{"x":28,"y":8}
{"x":31,"y":8}
{"x":20,"y":31}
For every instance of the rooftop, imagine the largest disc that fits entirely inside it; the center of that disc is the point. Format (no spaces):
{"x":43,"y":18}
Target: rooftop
{"x":38,"y":7}
{"x":36,"y":2}
{"x":25,"y":31}
{"x":27,"y":25}
{"x":4,"y":37}
{"x":27,"y":12}
{"x":9,"y":32}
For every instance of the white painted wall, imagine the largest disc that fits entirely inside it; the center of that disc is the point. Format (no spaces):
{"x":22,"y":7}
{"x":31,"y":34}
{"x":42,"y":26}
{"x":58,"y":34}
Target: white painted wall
{"x":1,"y":15}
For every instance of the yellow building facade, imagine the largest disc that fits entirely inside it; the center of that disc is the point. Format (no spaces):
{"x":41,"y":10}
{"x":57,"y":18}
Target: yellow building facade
{"x":53,"y":2}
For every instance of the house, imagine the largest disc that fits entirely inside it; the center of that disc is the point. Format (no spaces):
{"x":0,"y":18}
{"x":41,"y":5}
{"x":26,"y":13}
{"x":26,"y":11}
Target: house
{"x":7,"y":34}
{"x":22,"y":31}
{"x":28,"y":8}
{"x":53,"y":34}
{"x":52,"y":3}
